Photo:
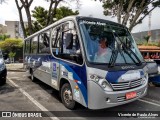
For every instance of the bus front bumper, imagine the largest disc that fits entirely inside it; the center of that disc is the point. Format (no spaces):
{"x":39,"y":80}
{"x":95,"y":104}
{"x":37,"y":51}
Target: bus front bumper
{"x":100,"y":99}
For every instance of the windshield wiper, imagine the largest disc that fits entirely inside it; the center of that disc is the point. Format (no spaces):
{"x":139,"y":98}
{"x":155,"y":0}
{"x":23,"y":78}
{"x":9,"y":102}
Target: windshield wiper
{"x":128,"y":51}
{"x":113,"y":58}
{"x":125,"y":48}
{"x":129,"y":54}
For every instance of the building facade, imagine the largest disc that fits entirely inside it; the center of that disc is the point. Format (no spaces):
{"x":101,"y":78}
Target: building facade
{"x":3,"y":29}
{"x":14,"y":29}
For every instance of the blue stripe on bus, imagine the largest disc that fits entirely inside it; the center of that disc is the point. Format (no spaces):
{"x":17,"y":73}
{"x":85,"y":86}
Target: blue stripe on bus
{"x":113,"y":77}
{"x":76,"y":76}
{"x":79,"y":72}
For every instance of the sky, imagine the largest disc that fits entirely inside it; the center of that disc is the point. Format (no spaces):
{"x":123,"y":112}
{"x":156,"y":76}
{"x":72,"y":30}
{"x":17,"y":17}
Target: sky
{"x":8,"y":11}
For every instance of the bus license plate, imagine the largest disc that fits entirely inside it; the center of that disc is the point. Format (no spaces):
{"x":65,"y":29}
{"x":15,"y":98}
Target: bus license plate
{"x":131,"y":95}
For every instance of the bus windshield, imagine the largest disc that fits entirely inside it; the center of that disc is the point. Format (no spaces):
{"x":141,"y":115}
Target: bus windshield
{"x":109,"y":43}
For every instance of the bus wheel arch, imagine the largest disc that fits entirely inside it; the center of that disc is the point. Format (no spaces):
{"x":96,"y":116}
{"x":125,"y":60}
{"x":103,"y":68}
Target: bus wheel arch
{"x":66,"y":94}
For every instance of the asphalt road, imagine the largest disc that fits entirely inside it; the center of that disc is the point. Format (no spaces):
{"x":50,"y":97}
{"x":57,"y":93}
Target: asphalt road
{"x":21,"y":94}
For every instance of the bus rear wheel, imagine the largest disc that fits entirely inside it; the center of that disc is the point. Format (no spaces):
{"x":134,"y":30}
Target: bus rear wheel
{"x":67,"y":96}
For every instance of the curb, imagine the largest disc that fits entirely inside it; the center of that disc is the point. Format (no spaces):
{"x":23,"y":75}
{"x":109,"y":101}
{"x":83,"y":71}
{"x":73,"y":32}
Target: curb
{"x":16,"y":70}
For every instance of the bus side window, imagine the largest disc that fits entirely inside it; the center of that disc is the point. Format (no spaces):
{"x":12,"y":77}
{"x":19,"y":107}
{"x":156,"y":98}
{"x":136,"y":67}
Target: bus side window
{"x":27,"y":46}
{"x":44,"y":42}
{"x":56,"y":38}
{"x":34,"y":45}
{"x":73,"y":53}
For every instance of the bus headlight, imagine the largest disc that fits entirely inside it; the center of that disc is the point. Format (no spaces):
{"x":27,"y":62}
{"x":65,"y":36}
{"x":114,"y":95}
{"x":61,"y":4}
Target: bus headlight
{"x":102,"y":82}
{"x":144,"y":79}
{"x":146,"y":76}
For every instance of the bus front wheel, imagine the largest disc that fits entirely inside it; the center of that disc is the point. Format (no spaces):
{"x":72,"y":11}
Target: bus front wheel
{"x":67,"y":96}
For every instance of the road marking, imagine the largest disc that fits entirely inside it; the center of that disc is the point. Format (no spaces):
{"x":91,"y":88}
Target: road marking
{"x":149,"y":102}
{"x":34,"y":101}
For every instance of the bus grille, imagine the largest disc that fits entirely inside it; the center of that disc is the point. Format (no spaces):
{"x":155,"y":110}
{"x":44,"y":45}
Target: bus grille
{"x":126,"y":85}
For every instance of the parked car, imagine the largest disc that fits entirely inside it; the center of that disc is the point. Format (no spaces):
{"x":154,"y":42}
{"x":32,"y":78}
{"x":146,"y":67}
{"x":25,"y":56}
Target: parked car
{"x":3,"y":70}
{"x":154,"y":75}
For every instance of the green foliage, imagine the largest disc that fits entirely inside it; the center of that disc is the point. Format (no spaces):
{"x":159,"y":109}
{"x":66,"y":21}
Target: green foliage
{"x":146,"y":38}
{"x":3,"y":37}
{"x":145,"y":43}
{"x":11,"y":44}
{"x":139,"y":42}
{"x":151,"y":44}
{"x":64,"y":12}
{"x":41,"y":14}
{"x":12,"y":54}
{"x":129,"y":12}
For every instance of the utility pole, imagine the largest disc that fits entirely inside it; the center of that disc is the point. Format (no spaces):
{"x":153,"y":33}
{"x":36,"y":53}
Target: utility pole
{"x":149,"y":26}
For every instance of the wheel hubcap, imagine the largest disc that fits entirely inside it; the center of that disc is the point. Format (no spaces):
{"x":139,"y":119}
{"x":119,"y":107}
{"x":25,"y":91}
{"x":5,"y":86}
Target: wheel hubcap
{"x":67,"y":95}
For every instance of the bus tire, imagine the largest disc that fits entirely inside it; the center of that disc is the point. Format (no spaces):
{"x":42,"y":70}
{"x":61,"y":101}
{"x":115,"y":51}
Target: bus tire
{"x":3,"y":81}
{"x":32,"y":76}
{"x":67,"y":96}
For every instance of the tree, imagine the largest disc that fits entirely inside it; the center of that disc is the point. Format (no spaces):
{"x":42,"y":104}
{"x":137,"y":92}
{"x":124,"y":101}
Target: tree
{"x":3,"y":37}
{"x":40,"y":14}
{"x":146,"y":38}
{"x":129,"y":12}
{"x":21,"y":18}
{"x":26,"y":5}
{"x":12,"y":55}
{"x":53,"y":9}
{"x":64,"y":12}
{"x":11,"y":45}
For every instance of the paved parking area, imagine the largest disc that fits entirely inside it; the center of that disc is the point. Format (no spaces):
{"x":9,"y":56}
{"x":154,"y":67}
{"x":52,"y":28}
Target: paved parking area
{"x":21,"y":94}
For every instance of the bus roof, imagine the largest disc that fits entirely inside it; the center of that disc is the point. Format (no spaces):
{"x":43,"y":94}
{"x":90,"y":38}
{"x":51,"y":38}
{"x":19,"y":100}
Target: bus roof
{"x":73,"y":18}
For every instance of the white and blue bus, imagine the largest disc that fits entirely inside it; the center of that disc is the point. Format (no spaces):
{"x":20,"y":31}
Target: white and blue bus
{"x":90,"y":61}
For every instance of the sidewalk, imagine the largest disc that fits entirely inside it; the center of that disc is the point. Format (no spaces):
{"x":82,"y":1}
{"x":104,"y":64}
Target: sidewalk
{"x":17,"y":67}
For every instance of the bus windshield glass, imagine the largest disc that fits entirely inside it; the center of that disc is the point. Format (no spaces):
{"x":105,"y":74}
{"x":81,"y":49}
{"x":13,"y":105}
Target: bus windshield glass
{"x":109,"y":43}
